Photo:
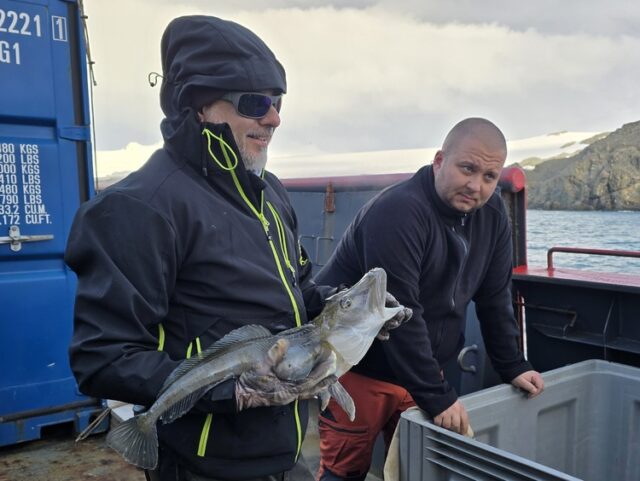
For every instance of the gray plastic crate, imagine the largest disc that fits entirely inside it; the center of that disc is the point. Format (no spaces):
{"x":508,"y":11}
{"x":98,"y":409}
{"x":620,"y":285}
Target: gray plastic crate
{"x":585,"y":425}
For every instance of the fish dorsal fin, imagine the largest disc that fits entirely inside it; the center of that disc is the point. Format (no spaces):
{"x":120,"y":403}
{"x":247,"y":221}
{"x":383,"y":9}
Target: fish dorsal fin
{"x":304,"y":330}
{"x":308,"y":333}
{"x":231,"y":340}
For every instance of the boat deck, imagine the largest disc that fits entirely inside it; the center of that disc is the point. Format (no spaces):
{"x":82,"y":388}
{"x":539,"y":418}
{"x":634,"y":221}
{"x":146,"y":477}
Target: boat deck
{"x":57,"y":457}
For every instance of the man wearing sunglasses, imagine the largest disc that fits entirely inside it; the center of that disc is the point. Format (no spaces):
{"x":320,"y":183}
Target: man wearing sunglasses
{"x":200,"y":241}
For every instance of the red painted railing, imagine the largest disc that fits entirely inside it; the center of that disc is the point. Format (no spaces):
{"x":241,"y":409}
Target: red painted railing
{"x":580,"y":250}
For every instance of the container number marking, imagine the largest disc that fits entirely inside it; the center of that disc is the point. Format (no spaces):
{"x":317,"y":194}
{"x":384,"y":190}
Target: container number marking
{"x":9,"y":53}
{"x":19,"y":23}
{"x":59,"y":28}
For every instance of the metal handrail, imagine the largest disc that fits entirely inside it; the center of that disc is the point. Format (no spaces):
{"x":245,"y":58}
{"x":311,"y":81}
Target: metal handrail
{"x":580,"y":250}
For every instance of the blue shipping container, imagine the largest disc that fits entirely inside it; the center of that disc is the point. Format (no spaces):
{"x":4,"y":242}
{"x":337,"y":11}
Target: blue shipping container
{"x":45,"y":173}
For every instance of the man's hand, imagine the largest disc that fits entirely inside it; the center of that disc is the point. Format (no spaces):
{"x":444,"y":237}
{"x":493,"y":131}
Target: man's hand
{"x":261,"y":387}
{"x":530,"y":382}
{"x":257,"y":390}
{"x":400,"y":318}
{"x":454,"y":418}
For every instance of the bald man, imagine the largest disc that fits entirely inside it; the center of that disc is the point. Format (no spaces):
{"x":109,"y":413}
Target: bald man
{"x":444,"y":238}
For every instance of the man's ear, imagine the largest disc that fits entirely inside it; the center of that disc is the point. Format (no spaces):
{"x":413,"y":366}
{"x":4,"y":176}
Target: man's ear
{"x":438,"y":159}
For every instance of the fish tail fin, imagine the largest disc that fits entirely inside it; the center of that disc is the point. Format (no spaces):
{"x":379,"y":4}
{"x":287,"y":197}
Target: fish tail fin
{"x":136,"y":441}
{"x":343,"y":399}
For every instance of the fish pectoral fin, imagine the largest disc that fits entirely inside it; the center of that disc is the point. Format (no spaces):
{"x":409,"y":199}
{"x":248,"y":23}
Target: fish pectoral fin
{"x":276,"y":353}
{"x":342,"y":397}
{"x":324,"y":398}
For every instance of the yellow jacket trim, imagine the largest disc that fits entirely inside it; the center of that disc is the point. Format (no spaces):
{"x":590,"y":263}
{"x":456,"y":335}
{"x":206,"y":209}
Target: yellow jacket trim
{"x":294,"y":304}
{"x":282,"y":235}
{"x":204,"y":435}
{"x":160,"y":337}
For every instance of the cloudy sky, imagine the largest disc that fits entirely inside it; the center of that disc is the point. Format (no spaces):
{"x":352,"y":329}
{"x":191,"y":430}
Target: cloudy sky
{"x":367,"y":75}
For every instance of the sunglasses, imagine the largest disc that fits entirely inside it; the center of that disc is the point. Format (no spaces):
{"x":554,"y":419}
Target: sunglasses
{"x":253,"y":105}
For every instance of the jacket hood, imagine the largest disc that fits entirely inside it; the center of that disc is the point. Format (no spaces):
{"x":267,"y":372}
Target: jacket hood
{"x":202,"y":52}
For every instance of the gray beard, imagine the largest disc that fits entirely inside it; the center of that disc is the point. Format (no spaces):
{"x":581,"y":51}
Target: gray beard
{"x":255,"y":163}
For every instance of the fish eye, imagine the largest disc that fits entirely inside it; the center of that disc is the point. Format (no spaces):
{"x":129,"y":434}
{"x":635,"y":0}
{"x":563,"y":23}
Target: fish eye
{"x":345,"y":303}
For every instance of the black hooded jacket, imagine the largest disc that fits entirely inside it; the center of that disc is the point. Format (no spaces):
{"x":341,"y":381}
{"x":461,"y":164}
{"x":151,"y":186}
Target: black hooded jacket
{"x":173,"y":257}
{"x":437,"y":261}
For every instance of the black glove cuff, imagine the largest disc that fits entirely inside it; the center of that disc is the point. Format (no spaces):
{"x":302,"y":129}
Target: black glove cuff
{"x":219,"y":399}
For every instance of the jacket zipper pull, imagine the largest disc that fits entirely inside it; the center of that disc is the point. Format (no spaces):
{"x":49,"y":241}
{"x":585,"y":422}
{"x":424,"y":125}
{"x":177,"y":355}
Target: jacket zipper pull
{"x":293,"y":275}
{"x":265,"y":226}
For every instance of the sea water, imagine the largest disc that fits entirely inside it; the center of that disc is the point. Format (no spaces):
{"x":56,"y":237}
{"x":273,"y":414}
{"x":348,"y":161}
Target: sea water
{"x":619,"y":230}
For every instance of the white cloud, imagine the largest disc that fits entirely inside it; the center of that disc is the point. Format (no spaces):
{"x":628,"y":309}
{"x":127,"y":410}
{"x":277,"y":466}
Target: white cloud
{"x":614,"y":17}
{"x":113,"y":165}
{"x":384,"y":78}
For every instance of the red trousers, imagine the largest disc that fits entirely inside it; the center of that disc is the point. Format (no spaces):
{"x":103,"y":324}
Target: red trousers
{"x":346,"y":447}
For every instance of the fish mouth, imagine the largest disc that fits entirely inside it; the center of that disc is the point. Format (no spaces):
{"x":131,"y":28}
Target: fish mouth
{"x":375,"y":283}
{"x":371,"y":292}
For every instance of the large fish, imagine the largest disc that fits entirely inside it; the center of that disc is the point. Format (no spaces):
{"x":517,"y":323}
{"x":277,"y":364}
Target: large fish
{"x":333,"y":342}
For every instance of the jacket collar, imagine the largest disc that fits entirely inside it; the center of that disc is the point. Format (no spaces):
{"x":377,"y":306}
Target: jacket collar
{"x":190,"y":145}
{"x":447,"y":213}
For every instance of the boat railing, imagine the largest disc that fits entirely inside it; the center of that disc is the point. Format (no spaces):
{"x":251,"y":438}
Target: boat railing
{"x":589,"y":251}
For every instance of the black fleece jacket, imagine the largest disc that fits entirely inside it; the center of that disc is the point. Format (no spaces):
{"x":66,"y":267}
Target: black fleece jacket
{"x":437,"y":260}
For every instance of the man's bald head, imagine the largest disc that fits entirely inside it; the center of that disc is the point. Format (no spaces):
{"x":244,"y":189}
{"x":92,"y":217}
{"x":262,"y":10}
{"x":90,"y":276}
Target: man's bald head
{"x":467,"y":169}
{"x":476,"y":127}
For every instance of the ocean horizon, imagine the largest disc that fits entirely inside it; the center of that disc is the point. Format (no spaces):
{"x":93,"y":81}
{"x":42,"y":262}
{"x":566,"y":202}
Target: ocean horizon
{"x":611,"y":230}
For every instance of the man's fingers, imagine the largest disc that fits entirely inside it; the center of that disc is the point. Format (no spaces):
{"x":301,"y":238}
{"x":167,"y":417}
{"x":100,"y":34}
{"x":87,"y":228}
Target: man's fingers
{"x":400,"y":318}
{"x":383,"y":335}
{"x":438,"y":420}
{"x":390,"y":301}
{"x":309,"y":389}
{"x":538,"y":382}
{"x":257,"y":382}
{"x":454,"y":422}
{"x":535,"y":386}
{"x":393,"y":323}
{"x":530,"y":382}
{"x":454,"y":418}
{"x":464,"y":425}
{"x":528,"y":387}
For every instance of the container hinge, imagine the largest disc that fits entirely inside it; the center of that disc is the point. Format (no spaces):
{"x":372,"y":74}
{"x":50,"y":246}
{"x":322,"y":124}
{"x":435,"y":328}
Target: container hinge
{"x":16,"y":240}
{"x":81,"y":133}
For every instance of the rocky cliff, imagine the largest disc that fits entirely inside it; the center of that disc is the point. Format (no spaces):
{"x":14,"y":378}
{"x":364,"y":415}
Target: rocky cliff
{"x":603,"y":176}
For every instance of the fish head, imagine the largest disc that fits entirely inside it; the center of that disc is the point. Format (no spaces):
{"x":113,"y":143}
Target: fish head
{"x":368,"y":295}
{"x":352,"y":318}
